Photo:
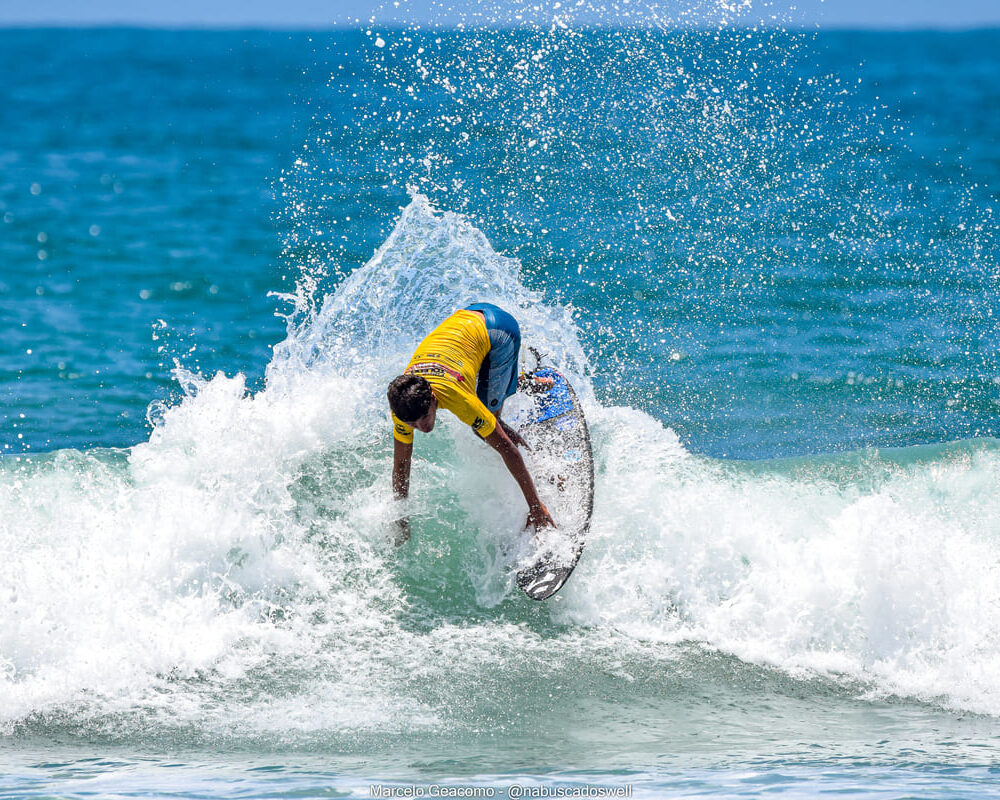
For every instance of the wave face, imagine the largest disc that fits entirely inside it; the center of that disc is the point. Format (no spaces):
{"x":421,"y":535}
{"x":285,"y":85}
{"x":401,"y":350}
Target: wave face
{"x":232,"y":578}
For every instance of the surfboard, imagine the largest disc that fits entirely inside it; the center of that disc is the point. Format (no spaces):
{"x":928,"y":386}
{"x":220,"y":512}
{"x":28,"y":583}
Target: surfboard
{"x":561,"y":463}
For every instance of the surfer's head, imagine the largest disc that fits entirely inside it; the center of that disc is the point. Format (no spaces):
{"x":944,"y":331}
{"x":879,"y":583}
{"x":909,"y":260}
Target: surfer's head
{"x":413,"y":402}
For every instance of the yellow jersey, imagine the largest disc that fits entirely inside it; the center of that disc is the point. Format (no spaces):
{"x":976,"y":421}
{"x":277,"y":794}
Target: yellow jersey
{"x":449,"y":359}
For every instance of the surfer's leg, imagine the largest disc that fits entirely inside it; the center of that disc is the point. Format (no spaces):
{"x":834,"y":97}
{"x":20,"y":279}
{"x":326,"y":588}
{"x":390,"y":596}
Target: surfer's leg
{"x":498,"y":373}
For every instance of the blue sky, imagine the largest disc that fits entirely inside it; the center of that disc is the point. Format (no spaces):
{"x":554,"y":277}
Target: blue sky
{"x":323,"y":13}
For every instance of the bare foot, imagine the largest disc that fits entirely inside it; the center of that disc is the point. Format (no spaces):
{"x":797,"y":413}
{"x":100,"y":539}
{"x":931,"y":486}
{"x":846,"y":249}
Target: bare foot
{"x":530,"y":382}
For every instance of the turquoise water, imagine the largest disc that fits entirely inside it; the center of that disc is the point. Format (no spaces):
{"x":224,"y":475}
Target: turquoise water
{"x":769,"y":263}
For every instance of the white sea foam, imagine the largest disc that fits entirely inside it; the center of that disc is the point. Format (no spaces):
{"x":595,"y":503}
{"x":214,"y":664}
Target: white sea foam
{"x":235,"y":572}
{"x":887,"y":575}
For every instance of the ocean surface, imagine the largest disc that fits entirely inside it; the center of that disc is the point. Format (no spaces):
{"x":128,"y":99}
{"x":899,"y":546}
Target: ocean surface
{"x":769,"y":262}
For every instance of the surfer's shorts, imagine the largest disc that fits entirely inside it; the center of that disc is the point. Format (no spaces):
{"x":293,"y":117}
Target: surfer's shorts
{"x":498,"y":374}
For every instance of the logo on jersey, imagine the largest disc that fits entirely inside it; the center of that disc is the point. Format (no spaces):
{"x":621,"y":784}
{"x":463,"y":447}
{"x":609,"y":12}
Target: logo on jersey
{"x":477,"y":423}
{"x":434,"y":370}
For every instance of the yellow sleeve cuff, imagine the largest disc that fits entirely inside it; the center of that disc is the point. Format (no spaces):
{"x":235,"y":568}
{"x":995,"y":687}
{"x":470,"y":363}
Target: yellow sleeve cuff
{"x":401,"y":431}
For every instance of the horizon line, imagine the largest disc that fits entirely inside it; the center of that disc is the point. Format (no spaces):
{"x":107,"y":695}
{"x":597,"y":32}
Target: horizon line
{"x":358,"y":26}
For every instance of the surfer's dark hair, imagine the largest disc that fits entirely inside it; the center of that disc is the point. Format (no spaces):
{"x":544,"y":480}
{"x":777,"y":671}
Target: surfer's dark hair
{"x":409,"y":397}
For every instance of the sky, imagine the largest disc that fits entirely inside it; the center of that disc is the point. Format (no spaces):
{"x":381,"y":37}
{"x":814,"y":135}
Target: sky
{"x":326,"y":13}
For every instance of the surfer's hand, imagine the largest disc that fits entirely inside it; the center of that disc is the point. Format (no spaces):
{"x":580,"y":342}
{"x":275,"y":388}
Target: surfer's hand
{"x":402,"y":532}
{"x":538,"y":517}
{"x":514,"y":436}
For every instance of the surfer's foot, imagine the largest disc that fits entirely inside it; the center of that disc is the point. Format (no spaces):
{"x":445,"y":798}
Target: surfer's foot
{"x":529,"y":382}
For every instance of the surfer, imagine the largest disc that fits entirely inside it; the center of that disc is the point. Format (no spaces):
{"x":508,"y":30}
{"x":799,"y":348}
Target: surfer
{"x":467,"y":365}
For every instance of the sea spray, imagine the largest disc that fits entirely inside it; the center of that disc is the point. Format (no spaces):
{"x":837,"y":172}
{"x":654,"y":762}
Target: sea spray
{"x":743,"y":224}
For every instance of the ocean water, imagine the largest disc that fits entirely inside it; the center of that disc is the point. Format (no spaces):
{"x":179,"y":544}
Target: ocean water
{"x":767,"y":259}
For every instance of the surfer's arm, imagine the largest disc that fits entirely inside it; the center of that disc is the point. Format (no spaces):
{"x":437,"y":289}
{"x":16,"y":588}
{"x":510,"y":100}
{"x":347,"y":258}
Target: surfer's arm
{"x":513,"y":435}
{"x":401,"y":454}
{"x":538,"y":515}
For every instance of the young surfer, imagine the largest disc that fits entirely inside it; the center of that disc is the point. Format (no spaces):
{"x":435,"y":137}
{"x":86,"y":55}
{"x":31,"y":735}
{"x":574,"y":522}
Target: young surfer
{"x":467,"y":365}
